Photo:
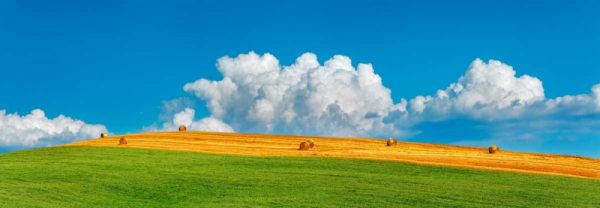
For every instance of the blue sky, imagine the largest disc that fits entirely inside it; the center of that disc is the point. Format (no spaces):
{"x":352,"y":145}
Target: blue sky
{"x":115,"y":62}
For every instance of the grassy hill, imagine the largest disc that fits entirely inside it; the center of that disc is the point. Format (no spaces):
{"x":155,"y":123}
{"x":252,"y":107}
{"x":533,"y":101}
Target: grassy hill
{"x":129,"y":177}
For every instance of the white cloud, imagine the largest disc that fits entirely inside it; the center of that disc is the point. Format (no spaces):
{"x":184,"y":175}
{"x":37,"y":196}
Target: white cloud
{"x":596,"y":95}
{"x":211,"y":124}
{"x":186,"y":118}
{"x":573,"y":104}
{"x":487,"y":91}
{"x":170,"y":107}
{"x":35,"y":129}
{"x":257,"y":94}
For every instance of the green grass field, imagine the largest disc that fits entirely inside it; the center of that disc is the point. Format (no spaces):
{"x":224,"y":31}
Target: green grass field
{"x":127,"y":177}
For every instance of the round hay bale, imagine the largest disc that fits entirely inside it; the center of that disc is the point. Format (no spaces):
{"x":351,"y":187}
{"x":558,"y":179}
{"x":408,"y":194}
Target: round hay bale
{"x":102,"y":135}
{"x":311,"y":143}
{"x":304,"y":146}
{"x":493,"y":149}
{"x":391,"y":142}
{"x":122,"y":141}
{"x":182,"y":128}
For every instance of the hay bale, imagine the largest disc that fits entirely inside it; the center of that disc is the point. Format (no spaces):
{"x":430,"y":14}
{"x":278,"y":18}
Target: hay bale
{"x":304,"y":146}
{"x":122,"y":141}
{"x":391,"y":142}
{"x":102,"y":135}
{"x":182,"y":128}
{"x":493,"y":149}
{"x":311,"y":143}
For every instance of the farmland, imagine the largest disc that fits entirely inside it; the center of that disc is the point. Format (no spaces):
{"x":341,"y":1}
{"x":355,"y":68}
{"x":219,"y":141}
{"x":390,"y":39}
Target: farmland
{"x":131,"y":177}
{"x":357,"y":148}
{"x":204,"y":169}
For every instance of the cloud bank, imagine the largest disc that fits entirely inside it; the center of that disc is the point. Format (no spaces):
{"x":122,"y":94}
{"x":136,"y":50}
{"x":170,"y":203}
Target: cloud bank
{"x":492,"y":91}
{"x":36,"y":130}
{"x":336,"y":98}
{"x":487,"y":91}
{"x":258,"y":94}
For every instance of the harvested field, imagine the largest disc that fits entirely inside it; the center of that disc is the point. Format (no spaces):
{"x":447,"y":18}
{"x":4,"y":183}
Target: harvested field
{"x":361,"y":148}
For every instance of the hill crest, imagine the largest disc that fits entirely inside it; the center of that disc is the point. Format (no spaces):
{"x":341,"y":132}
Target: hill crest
{"x":358,"y":148}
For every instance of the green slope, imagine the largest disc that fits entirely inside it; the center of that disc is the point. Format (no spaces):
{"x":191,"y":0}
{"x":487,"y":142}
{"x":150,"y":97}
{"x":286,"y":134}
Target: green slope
{"x":126,"y":177}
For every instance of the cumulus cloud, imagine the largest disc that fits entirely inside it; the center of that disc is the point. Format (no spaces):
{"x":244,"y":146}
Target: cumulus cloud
{"x":335,"y":98}
{"x":258,"y":94}
{"x":186,"y":118}
{"x":171,"y":107}
{"x":487,"y":91}
{"x":35,"y":130}
{"x":582,"y":104}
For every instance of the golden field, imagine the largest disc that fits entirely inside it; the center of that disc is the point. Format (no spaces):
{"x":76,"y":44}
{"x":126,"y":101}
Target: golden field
{"x":359,"y":148}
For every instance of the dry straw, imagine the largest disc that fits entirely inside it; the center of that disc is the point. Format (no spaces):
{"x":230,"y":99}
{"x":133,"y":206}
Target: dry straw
{"x":102,"y":135}
{"x":182,"y":128}
{"x":122,"y":141}
{"x":304,"y":146}
{"x":493,"y":149}
{"x":391,"y":142}
{"x":311,"y":143}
